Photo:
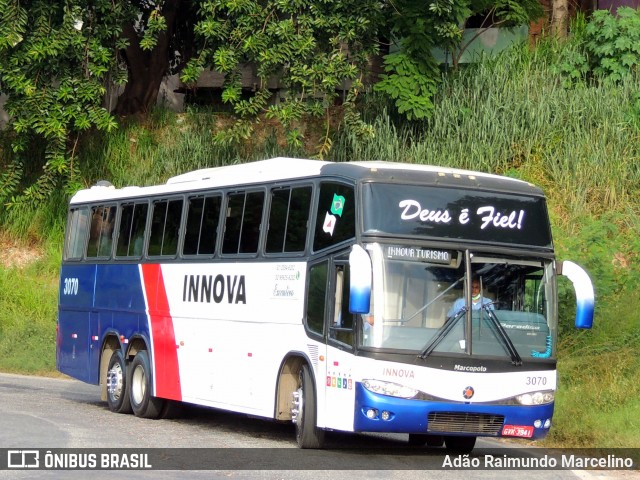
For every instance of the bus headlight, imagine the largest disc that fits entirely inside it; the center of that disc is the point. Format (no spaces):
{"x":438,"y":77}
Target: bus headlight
{"x":536,"y":398}
{"x":389,"y":388}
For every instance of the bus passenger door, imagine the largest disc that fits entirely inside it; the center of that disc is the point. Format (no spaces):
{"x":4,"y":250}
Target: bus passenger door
{"x":340,"y":323}
{"x":95,"y":319}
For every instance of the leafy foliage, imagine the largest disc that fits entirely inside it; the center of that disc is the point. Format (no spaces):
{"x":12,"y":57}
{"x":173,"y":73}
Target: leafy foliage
{"x":309,"y":48}
{"x":58,"y":61}
{"x":607,"y":48}
{"x":53,"y":63}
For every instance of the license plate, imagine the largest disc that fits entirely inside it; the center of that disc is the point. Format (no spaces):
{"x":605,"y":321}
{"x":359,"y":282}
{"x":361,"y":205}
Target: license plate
{"x":524,"y":431}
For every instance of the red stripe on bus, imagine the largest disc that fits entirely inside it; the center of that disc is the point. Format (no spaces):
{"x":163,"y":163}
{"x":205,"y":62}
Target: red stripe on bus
{"x":164,"y":355}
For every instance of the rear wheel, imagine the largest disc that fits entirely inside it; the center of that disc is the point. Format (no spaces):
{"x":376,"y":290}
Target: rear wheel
{"x":460,"y":444}
{"x":117,"y":385}
{"x":304,"y":414}
{"x":142,"y":402}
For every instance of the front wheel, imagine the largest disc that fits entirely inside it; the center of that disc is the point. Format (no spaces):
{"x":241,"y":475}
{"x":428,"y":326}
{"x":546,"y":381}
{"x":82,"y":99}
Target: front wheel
{"x":421,"y":439}
{"x":304,"y":413}
{"x":142,"y":402}
{"x":117,"y":385}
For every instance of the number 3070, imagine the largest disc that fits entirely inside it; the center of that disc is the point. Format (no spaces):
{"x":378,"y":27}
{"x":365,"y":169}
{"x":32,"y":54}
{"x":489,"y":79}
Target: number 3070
{"x":536,"y":380}
{"x":70,"y":286}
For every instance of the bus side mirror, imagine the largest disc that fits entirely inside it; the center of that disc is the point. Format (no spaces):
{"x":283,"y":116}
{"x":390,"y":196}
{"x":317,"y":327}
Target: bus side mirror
{"x":584,"y":292}
{"x":360,"y":281}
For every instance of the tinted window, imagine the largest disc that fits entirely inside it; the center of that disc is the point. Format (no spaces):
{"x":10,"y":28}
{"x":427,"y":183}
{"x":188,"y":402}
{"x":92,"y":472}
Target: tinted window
{"x":165,"y":227}
{"x":316,"y":298}
{"x":242,"y":223}
{"x":133,"y":220}
{"x":77,"y":233}
{"x":336,"y":217}
{"x":202,"y":225}
{"x":101,"y":232}
{"x":288,"y":220}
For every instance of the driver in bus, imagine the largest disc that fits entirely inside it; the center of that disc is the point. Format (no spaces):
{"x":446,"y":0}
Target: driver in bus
{"x":367,"y":325}
{"x":477,"y":300}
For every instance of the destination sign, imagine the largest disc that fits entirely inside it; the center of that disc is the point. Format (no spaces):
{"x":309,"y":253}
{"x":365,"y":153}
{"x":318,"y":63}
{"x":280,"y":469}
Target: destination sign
{"x":452,"y":213}
{"x":397,"y":252}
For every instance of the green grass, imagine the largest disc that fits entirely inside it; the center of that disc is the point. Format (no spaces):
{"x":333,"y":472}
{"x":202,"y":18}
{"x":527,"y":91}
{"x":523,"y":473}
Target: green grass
{"x":598,"y":399}
{"x":28,"y":316}
{"x":509,"y":115}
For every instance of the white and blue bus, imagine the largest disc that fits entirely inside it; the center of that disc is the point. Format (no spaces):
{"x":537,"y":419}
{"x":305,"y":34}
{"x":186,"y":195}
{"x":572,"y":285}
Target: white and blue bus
{"x":356,"y":297}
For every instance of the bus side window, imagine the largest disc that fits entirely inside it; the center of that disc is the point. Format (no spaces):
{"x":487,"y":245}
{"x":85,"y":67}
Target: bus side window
{"x":288,"y":220}
{"x":165,"y":227}
{"x":133,"y":220}
{"x":101,"y":232}
{"x":316,"y":299}
{"x":202,"y":225}
{"x":341,"y":328}
{"x":77,"y":234}
{"x":242,"y":223}
{"x":251,"y":222}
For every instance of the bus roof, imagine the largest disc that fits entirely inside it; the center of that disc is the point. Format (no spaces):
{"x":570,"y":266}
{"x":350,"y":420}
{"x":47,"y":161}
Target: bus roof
{"x":283,"y":169}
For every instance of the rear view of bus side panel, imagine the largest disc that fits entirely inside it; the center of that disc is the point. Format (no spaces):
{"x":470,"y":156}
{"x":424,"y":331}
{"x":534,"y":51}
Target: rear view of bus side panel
{"x":76,"y":324}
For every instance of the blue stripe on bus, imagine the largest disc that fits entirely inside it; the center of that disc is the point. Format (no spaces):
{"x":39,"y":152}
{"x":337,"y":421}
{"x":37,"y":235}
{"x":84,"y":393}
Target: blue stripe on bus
{"x":410,"y":416}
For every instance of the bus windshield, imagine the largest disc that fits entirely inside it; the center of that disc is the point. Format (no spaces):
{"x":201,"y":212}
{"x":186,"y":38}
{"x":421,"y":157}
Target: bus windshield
{"x":461,"y":304}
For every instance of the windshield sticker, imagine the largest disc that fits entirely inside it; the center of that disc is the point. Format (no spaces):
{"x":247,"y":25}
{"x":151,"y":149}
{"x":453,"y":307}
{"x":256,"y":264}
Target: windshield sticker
{"x":337,"y":206}
{"x":329,"y":223}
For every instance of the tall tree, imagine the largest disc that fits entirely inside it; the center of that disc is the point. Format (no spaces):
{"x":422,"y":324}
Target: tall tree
{"x":54,"y":59}
{"x":57,"y":60}
{"x":158,"y":43}
{"x":560,"y":18}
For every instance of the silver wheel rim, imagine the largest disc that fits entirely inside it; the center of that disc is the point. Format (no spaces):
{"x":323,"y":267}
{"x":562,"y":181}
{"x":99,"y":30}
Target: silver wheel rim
{"x":298,"y":407}
{"x":114,"y":381}
{"x":138,"y":385}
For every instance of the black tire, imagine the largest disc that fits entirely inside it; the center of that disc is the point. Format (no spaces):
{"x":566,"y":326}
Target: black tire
{"x":460,"y":444}
{"x":117,"y":385}
{"x":142,"y":402}
{"x":308,"y":435}
{"x":171,"y":409}
{"x":417,"y":439}
{"x":421,"y":439}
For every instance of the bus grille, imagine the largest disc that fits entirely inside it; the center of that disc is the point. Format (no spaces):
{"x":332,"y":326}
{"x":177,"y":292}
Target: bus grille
{"x":457,"y":422}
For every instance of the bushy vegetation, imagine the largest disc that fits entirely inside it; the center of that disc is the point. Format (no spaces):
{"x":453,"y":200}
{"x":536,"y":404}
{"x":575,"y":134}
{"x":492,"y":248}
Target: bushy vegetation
{"x":514,"y":115}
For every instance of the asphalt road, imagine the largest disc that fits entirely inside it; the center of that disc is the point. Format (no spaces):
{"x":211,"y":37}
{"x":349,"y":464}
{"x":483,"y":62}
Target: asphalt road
{"x":48,"y":414}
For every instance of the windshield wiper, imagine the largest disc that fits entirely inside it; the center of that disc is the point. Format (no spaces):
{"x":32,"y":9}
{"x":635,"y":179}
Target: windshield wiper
{"x":500,"y":333}
{"x":496,"y":328}
{"x":442,"y":333}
